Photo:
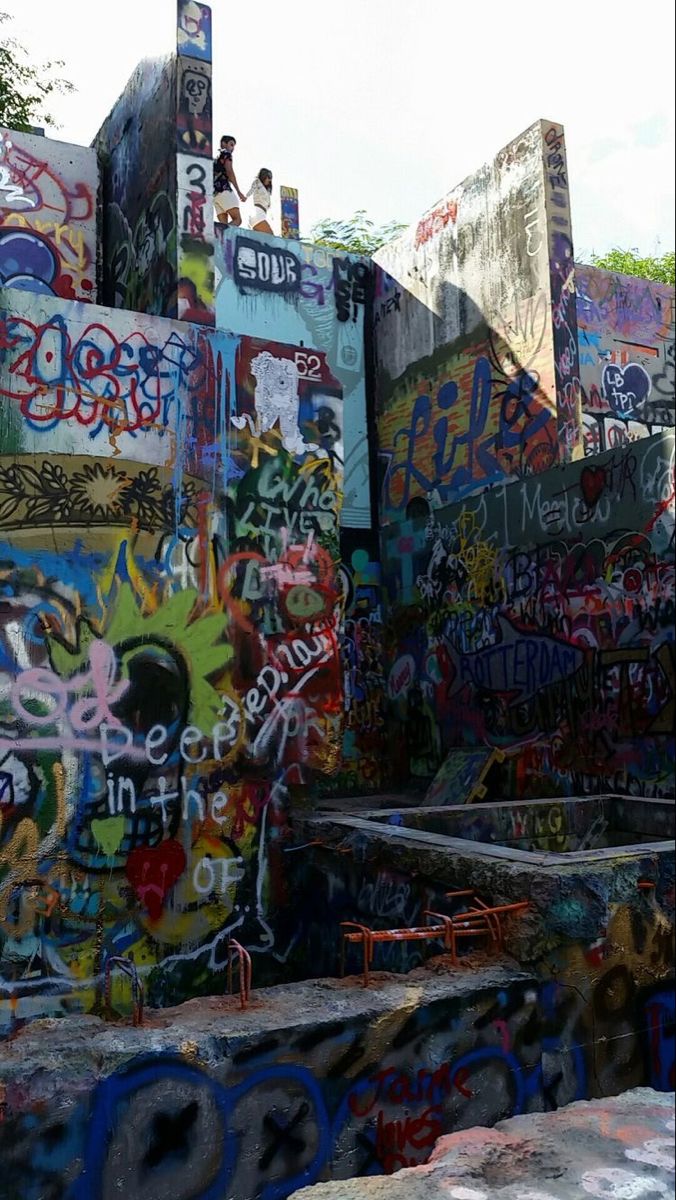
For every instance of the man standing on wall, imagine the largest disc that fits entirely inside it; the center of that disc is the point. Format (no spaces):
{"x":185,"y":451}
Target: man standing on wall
{"x":227,"y":194}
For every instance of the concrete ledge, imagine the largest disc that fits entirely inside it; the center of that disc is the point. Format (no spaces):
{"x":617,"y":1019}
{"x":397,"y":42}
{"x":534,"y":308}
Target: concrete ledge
{"x":308,"y":1084}
{"x":622,"y":1147}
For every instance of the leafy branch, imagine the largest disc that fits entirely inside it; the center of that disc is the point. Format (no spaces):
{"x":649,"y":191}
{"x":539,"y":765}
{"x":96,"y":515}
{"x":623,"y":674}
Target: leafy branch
{"x":356,"y":235}
{"x":25,"y":88}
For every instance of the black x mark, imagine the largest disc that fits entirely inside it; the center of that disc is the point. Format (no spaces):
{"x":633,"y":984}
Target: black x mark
{"x":170,"y":1135}
{"x":283,"y":1135}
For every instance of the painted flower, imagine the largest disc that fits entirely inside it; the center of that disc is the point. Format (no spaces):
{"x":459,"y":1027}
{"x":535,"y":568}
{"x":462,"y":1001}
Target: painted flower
{"x":52,"y":493}
{"x":100,"y":489}
{"x":143,"y":497}
{"x":12,"y":491}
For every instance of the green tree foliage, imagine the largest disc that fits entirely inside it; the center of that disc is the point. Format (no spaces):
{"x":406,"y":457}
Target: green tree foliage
{"x":357,"y":235}
{"x":630,"y":262}
{"x":24,"y":88}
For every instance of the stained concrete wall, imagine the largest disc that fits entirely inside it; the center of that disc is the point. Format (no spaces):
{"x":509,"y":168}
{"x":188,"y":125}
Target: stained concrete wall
{"x":626,"y":338}
{"x":48,"y":216}
{"x":170,"y":643}
{"x":537,"y":620}
{"x":477,"y":377}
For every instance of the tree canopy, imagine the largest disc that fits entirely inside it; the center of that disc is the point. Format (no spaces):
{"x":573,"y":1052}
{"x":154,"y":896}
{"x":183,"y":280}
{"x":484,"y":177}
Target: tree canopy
{"x":659,"y":268}
{"x":356,"y":235}
{"x":360,"y":235}
{"x":25,"y":88}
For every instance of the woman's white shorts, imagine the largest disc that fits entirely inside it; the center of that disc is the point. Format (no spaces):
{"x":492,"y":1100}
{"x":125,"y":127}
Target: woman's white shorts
{"x":259,"y":214}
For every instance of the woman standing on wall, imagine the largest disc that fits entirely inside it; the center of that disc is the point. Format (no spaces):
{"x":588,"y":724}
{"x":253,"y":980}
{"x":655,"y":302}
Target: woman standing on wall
{"x":260,"y":192}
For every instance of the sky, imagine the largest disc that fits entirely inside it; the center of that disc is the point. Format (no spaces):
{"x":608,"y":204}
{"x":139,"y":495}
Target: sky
{"x":386,"y":105}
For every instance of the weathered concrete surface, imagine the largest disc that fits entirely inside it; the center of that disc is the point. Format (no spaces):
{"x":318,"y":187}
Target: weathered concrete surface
{"x":620,"y":1149}
{"x":198,"y":1101}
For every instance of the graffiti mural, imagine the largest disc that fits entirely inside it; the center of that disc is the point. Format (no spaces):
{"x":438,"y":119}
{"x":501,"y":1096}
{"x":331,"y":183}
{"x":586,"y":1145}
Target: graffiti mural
{"x":295,"y":292}
{"x":290,"y":226}
{"x":196,"y":252}
{"x":537,"y":620}
{"x":195,"y":267}
{"x":194,"y":30}
{"x":140,"y":192}
{"x":170,"y":630}
{"x":468,"y":378}
{"x":48,"y":198}
{"x":626,"y":337}
{"x":193,"y":124}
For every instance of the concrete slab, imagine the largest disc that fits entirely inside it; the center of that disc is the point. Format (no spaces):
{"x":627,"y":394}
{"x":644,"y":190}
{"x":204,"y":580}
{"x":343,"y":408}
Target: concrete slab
{"x":618,"y":1149}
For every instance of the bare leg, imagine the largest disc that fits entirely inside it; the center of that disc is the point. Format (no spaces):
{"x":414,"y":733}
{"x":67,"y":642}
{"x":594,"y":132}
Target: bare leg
{"x":262,"y":227}
{"x":235,"y":216}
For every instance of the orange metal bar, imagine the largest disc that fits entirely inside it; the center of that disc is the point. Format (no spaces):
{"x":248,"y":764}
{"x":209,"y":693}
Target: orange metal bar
{"x":480,"y":921}
{"x":518,"y":906}
{"x":493,"y":921}
{"x":417,"y":934}
{"x":245,"y":971}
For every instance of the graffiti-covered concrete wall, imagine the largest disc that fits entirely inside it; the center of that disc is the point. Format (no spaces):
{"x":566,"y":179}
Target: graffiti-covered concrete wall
{"x":48,"y":216}
{"x":169,"y":641}
{"x":311,"y":296}
{"x":155,"y":149}
{"x":136,"y":147}
{"x":252,"y":1106}
{"x":194,"y":149}
{"x":477,"y":377}
{"x":537,"y":619}
{"x":627,"y":371}
{"x":314,"y":297}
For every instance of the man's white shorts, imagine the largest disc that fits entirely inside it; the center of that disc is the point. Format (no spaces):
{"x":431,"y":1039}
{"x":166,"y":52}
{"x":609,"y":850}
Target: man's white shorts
{"x":225,"y":201}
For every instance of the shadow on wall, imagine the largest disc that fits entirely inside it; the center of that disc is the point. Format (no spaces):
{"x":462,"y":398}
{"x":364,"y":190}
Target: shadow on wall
{"x":470,"y":413}
{"x":531,"y":598}
{"x":462,"y":418}
{"x":476,"y":334}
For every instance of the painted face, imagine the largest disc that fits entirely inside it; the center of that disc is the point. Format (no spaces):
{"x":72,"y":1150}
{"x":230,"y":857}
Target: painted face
{"x":196,"y":89}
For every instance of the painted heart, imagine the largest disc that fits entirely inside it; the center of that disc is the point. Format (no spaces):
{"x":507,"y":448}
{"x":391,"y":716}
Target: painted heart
{"x":592,"y":482}
{"x":108,"y":835}
{"x":152,"y":871}
{"x":626,"y":388}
